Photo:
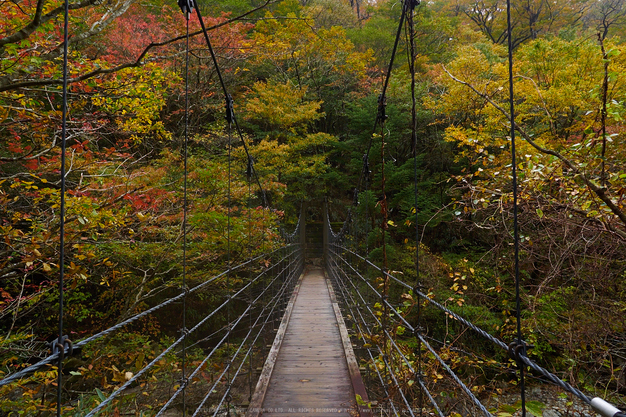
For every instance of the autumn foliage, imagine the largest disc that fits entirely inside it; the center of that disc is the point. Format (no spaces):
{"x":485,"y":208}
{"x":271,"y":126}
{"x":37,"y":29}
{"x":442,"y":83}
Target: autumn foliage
{"x":305,"y":79}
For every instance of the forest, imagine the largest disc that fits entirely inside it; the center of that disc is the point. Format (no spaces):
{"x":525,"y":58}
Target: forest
{"x":305,"y":78}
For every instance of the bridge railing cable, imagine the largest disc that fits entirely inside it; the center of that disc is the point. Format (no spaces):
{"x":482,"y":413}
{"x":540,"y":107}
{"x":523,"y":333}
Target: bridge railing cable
{"x":51,"y":358}
{"x":277,"y":300}
{"x":222,"y":306}
{"x":363,"y":328}
{"x":343,"y":270}
{"x":292,"y":274}
{"x":348,"y":294}
{"x":355,"y":273}
{"x":340,"y":280}
{"x":283,"y":271}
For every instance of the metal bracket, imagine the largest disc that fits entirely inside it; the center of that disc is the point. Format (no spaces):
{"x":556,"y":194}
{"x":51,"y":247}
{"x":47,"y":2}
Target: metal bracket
{"x":60,"y":345}
{"x":418,"y":330}
{"x":412,"y":4}
{"x":230,"y":112}
{"x":366,"y":167}
{"x":250,"y":168}
{"x":186,"y":6}
{"x":419,"y":287}
{"x":516,"y":350}
{"x":382,"y":105}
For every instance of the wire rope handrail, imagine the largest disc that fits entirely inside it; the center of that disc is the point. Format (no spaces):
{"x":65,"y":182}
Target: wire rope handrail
{"x":438,"y":358}
{"x":180,"y":339}
{"x":247,"y":312}
{"x":46,"y":361}
{"x":362,"y":322}
{"x":335,"y":251}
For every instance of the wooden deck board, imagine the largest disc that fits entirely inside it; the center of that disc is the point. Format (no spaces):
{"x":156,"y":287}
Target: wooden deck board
{"x":310,"y":375}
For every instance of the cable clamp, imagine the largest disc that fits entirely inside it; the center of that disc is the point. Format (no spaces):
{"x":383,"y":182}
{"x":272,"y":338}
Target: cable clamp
{"x":517,"y":350}
{"x":185,"y":289}
{"x":419,"y":376}
{"x":230,"y":112}
{"x":186,"y":6}
{"x":382,"y":105}
{"x":250,"y":167}
{"x":412,"y":4}
{"x":184,"y":331}
{"x":60,"y":345}
{"x":419,"y":287}
{"x":183,"y":383}
{"x":366,"y":166}
{"x":418,"y":330}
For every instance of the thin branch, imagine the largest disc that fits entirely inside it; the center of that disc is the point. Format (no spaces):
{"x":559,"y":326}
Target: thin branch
{"x":598,"y":191}
{"x":8,"y":85}
{"x":39,"y":20}
{"x":545,"y":106}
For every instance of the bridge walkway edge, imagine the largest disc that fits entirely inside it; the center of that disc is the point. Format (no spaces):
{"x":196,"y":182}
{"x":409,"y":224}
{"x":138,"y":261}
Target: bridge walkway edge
{"x":311,"y":369}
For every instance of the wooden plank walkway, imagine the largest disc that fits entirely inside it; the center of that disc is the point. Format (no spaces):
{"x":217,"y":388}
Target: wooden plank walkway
{"x":307,"y":372}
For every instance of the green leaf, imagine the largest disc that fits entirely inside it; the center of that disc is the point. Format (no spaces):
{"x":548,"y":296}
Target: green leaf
{"x":508,"y":408}
{"x":540,"y":213}
{"x":100,"y":395}
{"x":535,"y":407}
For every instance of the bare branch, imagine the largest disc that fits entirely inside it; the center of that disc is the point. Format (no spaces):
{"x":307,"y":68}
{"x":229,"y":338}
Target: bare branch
{"x":7,"y":85}
{"x":600,"y":192}
{"x":39,"y":20}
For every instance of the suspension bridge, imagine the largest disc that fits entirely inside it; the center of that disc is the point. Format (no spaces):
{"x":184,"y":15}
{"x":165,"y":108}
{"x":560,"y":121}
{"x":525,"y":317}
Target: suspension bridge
{"x":313,"y":327}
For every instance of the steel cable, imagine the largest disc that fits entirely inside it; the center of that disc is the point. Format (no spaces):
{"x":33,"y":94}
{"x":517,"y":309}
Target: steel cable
{"x":518,"y":311}
{"x":282,"y":293}
{"x":411,"y":52}
{"x":184,"y":288}
{"x":439,"y":306}
{"x":382,"y":97}
{"x":383,"y":354}
{"x":61,"y":342}
{"x":276,"y":299}
{"x":230,"y":327}
{"x":159,"y":357}
{"x":527,"y":361}
{"x":46,"y":361}
{"x":462,"y":385}
{"x":420,"y":381}
{"x":380,"y":377}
